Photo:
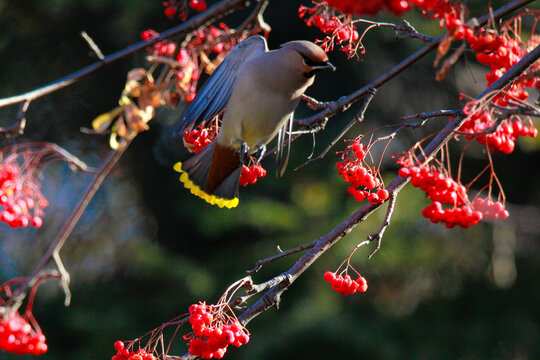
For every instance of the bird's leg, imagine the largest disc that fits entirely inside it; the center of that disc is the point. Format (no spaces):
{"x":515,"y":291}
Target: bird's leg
{"x":244,"y":151}
{"x":261,"y":150}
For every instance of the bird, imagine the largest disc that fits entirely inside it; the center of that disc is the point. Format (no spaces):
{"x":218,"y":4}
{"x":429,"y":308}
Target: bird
{"x":256,"y":90}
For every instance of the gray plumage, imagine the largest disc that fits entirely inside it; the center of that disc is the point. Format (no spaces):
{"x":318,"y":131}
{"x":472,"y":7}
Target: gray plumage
{"x":257,"y":90}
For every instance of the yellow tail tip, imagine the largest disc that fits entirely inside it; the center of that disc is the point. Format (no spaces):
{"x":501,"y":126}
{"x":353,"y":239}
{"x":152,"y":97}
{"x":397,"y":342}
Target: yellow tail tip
{"x":197,"y":191}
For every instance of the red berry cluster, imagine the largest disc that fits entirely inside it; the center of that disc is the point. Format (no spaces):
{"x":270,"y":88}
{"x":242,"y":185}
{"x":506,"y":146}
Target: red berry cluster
{"x":354,"y":171}
{"x":20,"y":194}
{"x":370,"y":7}
{"x":437,"y":186}
{"x":250,"y":174}
{"x":463,"y":216}
{"x":503,"y":138}
{"x":329,"y":24}
{"x":344,"y":284}
{"x":213,"y":332}
{"x":500,"y":53}
{"x":161,"y":48}
{"x":197,"y":139}
{"x":211,"y":39}
{"x":490,"y":209}
{"x":448,"y":11}
{"x":17,"y":336}
{"x":199,"y":5}
{"x":122,"y":353}
{"x":340,"y":30}
{"x":442,"y":189}
{"x":204,"y":52}
{"x":179,"y":7}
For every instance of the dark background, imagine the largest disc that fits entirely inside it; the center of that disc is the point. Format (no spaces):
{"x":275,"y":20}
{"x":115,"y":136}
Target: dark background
{"x":146,"y":249}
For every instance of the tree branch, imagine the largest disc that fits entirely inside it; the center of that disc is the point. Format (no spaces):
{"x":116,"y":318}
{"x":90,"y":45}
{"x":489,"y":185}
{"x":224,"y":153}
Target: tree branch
{"x":217,"y":11}
{"x":346,"y":101}
{"x":272,"y":297}
{"x":259,"y":264}
{"x":357,"y":119}
{"x":54,"y":249}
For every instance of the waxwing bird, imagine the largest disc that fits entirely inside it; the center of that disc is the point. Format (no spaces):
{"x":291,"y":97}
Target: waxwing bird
{"x":257,"y":90}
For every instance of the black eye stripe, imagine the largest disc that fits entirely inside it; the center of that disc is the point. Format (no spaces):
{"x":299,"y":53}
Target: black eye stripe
{"x":310,"y":62}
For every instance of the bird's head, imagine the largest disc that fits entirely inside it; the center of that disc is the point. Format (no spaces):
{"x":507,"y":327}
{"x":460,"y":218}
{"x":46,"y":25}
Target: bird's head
{"x":310,"y":58}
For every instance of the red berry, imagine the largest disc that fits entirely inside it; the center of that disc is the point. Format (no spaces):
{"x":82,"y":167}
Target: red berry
{"x":329,"y":276}
{"x":170,"y":11}
{"x":119,"y":346}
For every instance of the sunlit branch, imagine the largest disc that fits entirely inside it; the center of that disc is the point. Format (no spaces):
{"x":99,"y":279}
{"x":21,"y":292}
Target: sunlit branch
{"x":379,"y":234}
{"x":272,"y":297}
{"x":259,"y":264}
{"x":346,"y":101}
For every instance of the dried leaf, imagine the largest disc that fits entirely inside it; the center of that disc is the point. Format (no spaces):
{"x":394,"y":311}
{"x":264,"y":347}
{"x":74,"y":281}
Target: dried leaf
{"x":137,"y":74}
{"x":443,"y":48}
{"x":103,"y":121}
{"x":113,"y":142}
{"x":449,"y":62}
{"x":120,"y":127}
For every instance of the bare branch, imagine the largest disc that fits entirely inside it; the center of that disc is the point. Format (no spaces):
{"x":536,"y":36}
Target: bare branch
{"x":379,"y":234}
{"x":357,"y":119}
{"x":63,"y":234}
{"x":272,"y":297}
{"x":259,"y":264}
{"x":92,"y":45}
{"x":344,"y":102}
{"x":215,"y":12}
{"x":20,"y":123}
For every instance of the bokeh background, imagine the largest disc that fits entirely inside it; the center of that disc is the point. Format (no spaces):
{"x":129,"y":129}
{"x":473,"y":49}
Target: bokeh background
{"x":146,"y":249}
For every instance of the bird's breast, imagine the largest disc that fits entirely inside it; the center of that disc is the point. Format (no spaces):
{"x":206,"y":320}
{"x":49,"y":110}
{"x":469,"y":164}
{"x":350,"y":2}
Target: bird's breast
{"x":255,"y":114}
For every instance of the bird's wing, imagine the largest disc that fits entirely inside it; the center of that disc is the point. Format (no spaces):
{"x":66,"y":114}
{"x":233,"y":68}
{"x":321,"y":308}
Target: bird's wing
{"x":213,"y":96}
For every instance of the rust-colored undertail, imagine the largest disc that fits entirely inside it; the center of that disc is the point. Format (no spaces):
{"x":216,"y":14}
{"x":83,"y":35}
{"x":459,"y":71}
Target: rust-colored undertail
{"x":225,"y":161}
{"x":213,"y":174}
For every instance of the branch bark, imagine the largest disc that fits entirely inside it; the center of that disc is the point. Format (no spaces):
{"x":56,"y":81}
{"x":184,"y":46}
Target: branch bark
{"x":215,"y":12}
{"x":346,"y":101}
{"x":272,"y":297}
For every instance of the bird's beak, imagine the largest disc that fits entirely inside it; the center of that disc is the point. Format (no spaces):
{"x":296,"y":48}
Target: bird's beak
{"x":325,"y":66}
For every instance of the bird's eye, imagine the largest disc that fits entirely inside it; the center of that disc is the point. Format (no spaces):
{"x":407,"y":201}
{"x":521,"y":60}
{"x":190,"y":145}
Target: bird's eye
{"x":308,"y":62}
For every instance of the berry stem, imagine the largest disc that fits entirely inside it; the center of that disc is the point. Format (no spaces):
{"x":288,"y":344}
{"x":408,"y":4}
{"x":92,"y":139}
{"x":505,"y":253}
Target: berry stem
{"x":357,"y":119}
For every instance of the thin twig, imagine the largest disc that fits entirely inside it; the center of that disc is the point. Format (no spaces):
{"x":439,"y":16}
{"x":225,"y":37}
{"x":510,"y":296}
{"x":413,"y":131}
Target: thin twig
{"x":379,"y":234}
{"x":427,"y":115}
{"x":314,"y":104}
{"x":259,"y":264}
{"x":273,"y":296}
{"x":216,"y":11}
{"x":346,"y":101}
{"x":65,"y":231}
{"x":20,"y":122}
{"x":56,"y":151}
{"x":406,"y":30}
{"x":357,"y":119}
{"x":92,"y":45}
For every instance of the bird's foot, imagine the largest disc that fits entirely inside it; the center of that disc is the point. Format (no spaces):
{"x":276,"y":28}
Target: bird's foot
{"x":244,"y":151}
{"x":259,"y":154}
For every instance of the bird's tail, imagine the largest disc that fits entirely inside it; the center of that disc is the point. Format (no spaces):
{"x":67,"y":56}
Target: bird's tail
{"x":213,"y":174}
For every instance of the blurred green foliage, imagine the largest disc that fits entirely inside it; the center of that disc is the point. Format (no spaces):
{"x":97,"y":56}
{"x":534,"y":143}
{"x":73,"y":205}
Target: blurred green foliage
{"x":146,"y":249}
